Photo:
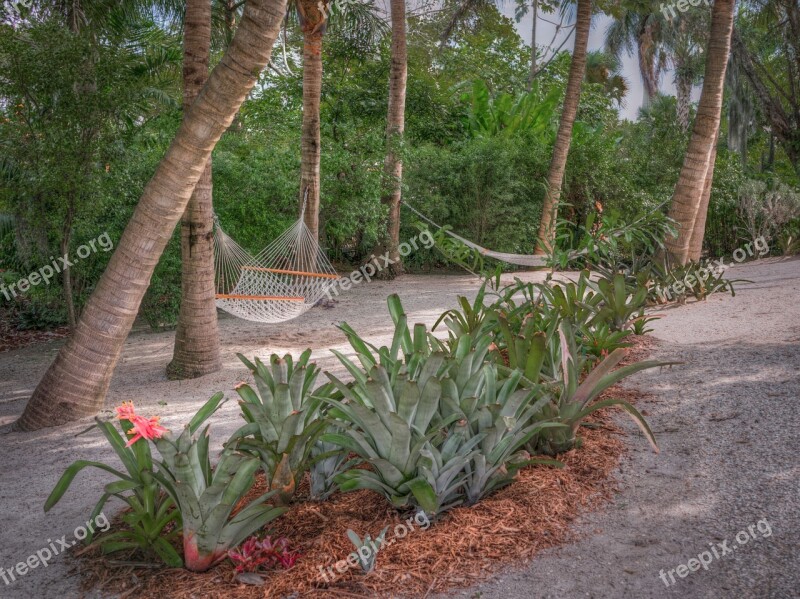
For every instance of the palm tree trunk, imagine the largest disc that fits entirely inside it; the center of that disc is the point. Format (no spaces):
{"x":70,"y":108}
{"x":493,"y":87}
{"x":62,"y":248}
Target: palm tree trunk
{"x":691,"y":183}
{"x":699,"y":230}
{"x":683,"y":87}
{"x":197,"y":350}
{"x":310,"y":141}
{"x":558,"y":164}
{"x":534,"y":18}
{"x":395,"y":126}
{"x":77,"y":382}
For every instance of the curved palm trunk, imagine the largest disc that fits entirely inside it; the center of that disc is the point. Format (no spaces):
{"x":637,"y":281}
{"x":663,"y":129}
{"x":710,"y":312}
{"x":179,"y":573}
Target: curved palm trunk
{"x":558,"y":164}
{"x":77,"y":382}
{"x":197,"y":350}
{"x":689,"y":191}
{"x":395,"y":126}
{"x":699,"y":229}
{"x":313,"y":20}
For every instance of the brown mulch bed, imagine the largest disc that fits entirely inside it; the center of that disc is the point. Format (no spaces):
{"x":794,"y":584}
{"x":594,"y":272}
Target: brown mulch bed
{"x":462,"y":547}
{"x":13,"y":338}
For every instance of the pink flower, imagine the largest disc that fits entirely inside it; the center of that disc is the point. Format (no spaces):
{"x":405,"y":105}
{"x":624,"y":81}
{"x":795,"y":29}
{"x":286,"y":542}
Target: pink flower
{"x":126,"y":411}
{"x":141,"y":427}
{"x":145,"y":428}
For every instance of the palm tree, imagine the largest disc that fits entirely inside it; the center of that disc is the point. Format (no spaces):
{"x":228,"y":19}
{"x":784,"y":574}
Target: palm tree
{"x":639,"y":31}
{"x":688,"y":197}
{"x":197,"y":351}
{"x":359,"y":20}
{"x":313,"y":16}
{"x":558,"y":163}
{"x":75,"y":385}
{"x":683,"y":39}
{"x":603,"y":69}
{"x":395,"y":125}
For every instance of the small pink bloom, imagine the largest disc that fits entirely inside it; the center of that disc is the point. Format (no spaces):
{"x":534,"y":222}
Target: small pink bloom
{"x":126,"y":411}
{"x":145,"y":428}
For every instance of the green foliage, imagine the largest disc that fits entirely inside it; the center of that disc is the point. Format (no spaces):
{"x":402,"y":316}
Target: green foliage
{"x":207,"y":496}
{"x":507,"y":115}
{"x":151,"y":517}
{"x":283,"y":419}
{"x":367,"y":563}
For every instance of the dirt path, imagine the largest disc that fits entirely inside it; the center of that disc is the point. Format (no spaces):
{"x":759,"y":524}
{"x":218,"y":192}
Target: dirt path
{"x":727,"y":423}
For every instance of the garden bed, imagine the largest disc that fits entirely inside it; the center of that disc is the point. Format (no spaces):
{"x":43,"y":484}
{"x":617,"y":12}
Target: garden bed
{"x":464,"y":546}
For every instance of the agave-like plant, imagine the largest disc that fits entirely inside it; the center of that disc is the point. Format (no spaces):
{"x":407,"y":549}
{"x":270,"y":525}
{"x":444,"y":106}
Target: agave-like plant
{"x":394,"y":428}
{"x":207,"y":496}
{"x":501,"y":418}
{"x":283,"y":419}
{"x":573,"y":397}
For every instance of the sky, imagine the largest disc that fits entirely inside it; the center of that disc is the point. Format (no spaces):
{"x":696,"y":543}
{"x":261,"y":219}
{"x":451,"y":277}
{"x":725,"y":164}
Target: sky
{"x":630,"y":67}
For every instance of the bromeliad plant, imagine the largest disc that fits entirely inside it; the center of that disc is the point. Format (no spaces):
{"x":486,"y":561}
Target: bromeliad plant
{"x":256,"y":555}
{"x":396,"y":429}
{"x":207,"y":496}
{"x":367,"y":548}
{"x":283,"y":421}
{"x":151,"y":516}
{"x":180,"y":493}
{"x":573,"y":397}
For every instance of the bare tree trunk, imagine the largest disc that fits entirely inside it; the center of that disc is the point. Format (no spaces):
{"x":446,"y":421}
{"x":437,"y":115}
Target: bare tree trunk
{"x":699,"y":230}
{"x":197,"y":350}
{"x":691,"y":184}
{"x":395,"y":126}
{"x":558,"y":164}
{"x":310,"y":141}
{"x":77,"y":382}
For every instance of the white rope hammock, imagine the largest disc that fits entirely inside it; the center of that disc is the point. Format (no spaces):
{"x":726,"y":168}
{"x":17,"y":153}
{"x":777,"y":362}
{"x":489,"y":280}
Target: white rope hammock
{"x":518,"y":259}
{"x":282,"y":282}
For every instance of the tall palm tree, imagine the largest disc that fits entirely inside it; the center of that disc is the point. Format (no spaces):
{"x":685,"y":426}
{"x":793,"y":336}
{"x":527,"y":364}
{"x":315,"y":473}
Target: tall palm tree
{"x":313,"y":16}
{"x":197,"y":351}
{"x":683,"y":38}
{"x":639,"y":31}
{"x":75,"y":385}
{"x":688,"y":196}
{"x":395,"y":126}
{"x":558,"y":163}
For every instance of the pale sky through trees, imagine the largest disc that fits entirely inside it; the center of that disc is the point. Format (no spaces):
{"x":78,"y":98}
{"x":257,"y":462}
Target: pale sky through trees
{"x":630,"y":66}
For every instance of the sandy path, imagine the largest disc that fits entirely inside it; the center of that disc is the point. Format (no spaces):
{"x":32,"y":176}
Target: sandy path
{"x":726,"y":421}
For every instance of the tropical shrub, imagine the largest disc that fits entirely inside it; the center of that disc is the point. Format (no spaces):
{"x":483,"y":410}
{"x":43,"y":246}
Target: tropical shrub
{"x":151,"y":516}
{"x":283,"y":420}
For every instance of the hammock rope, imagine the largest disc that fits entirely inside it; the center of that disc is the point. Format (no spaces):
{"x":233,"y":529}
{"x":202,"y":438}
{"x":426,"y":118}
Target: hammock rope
{"x":518,"y":259}
{"x":283,"y":281}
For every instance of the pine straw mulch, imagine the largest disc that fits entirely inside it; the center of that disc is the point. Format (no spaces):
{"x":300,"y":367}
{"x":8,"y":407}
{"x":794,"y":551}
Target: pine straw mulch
{"x":461,"y":548}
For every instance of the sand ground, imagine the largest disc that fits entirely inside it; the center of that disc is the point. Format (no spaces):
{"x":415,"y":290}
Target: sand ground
{"x":727,"y":422}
